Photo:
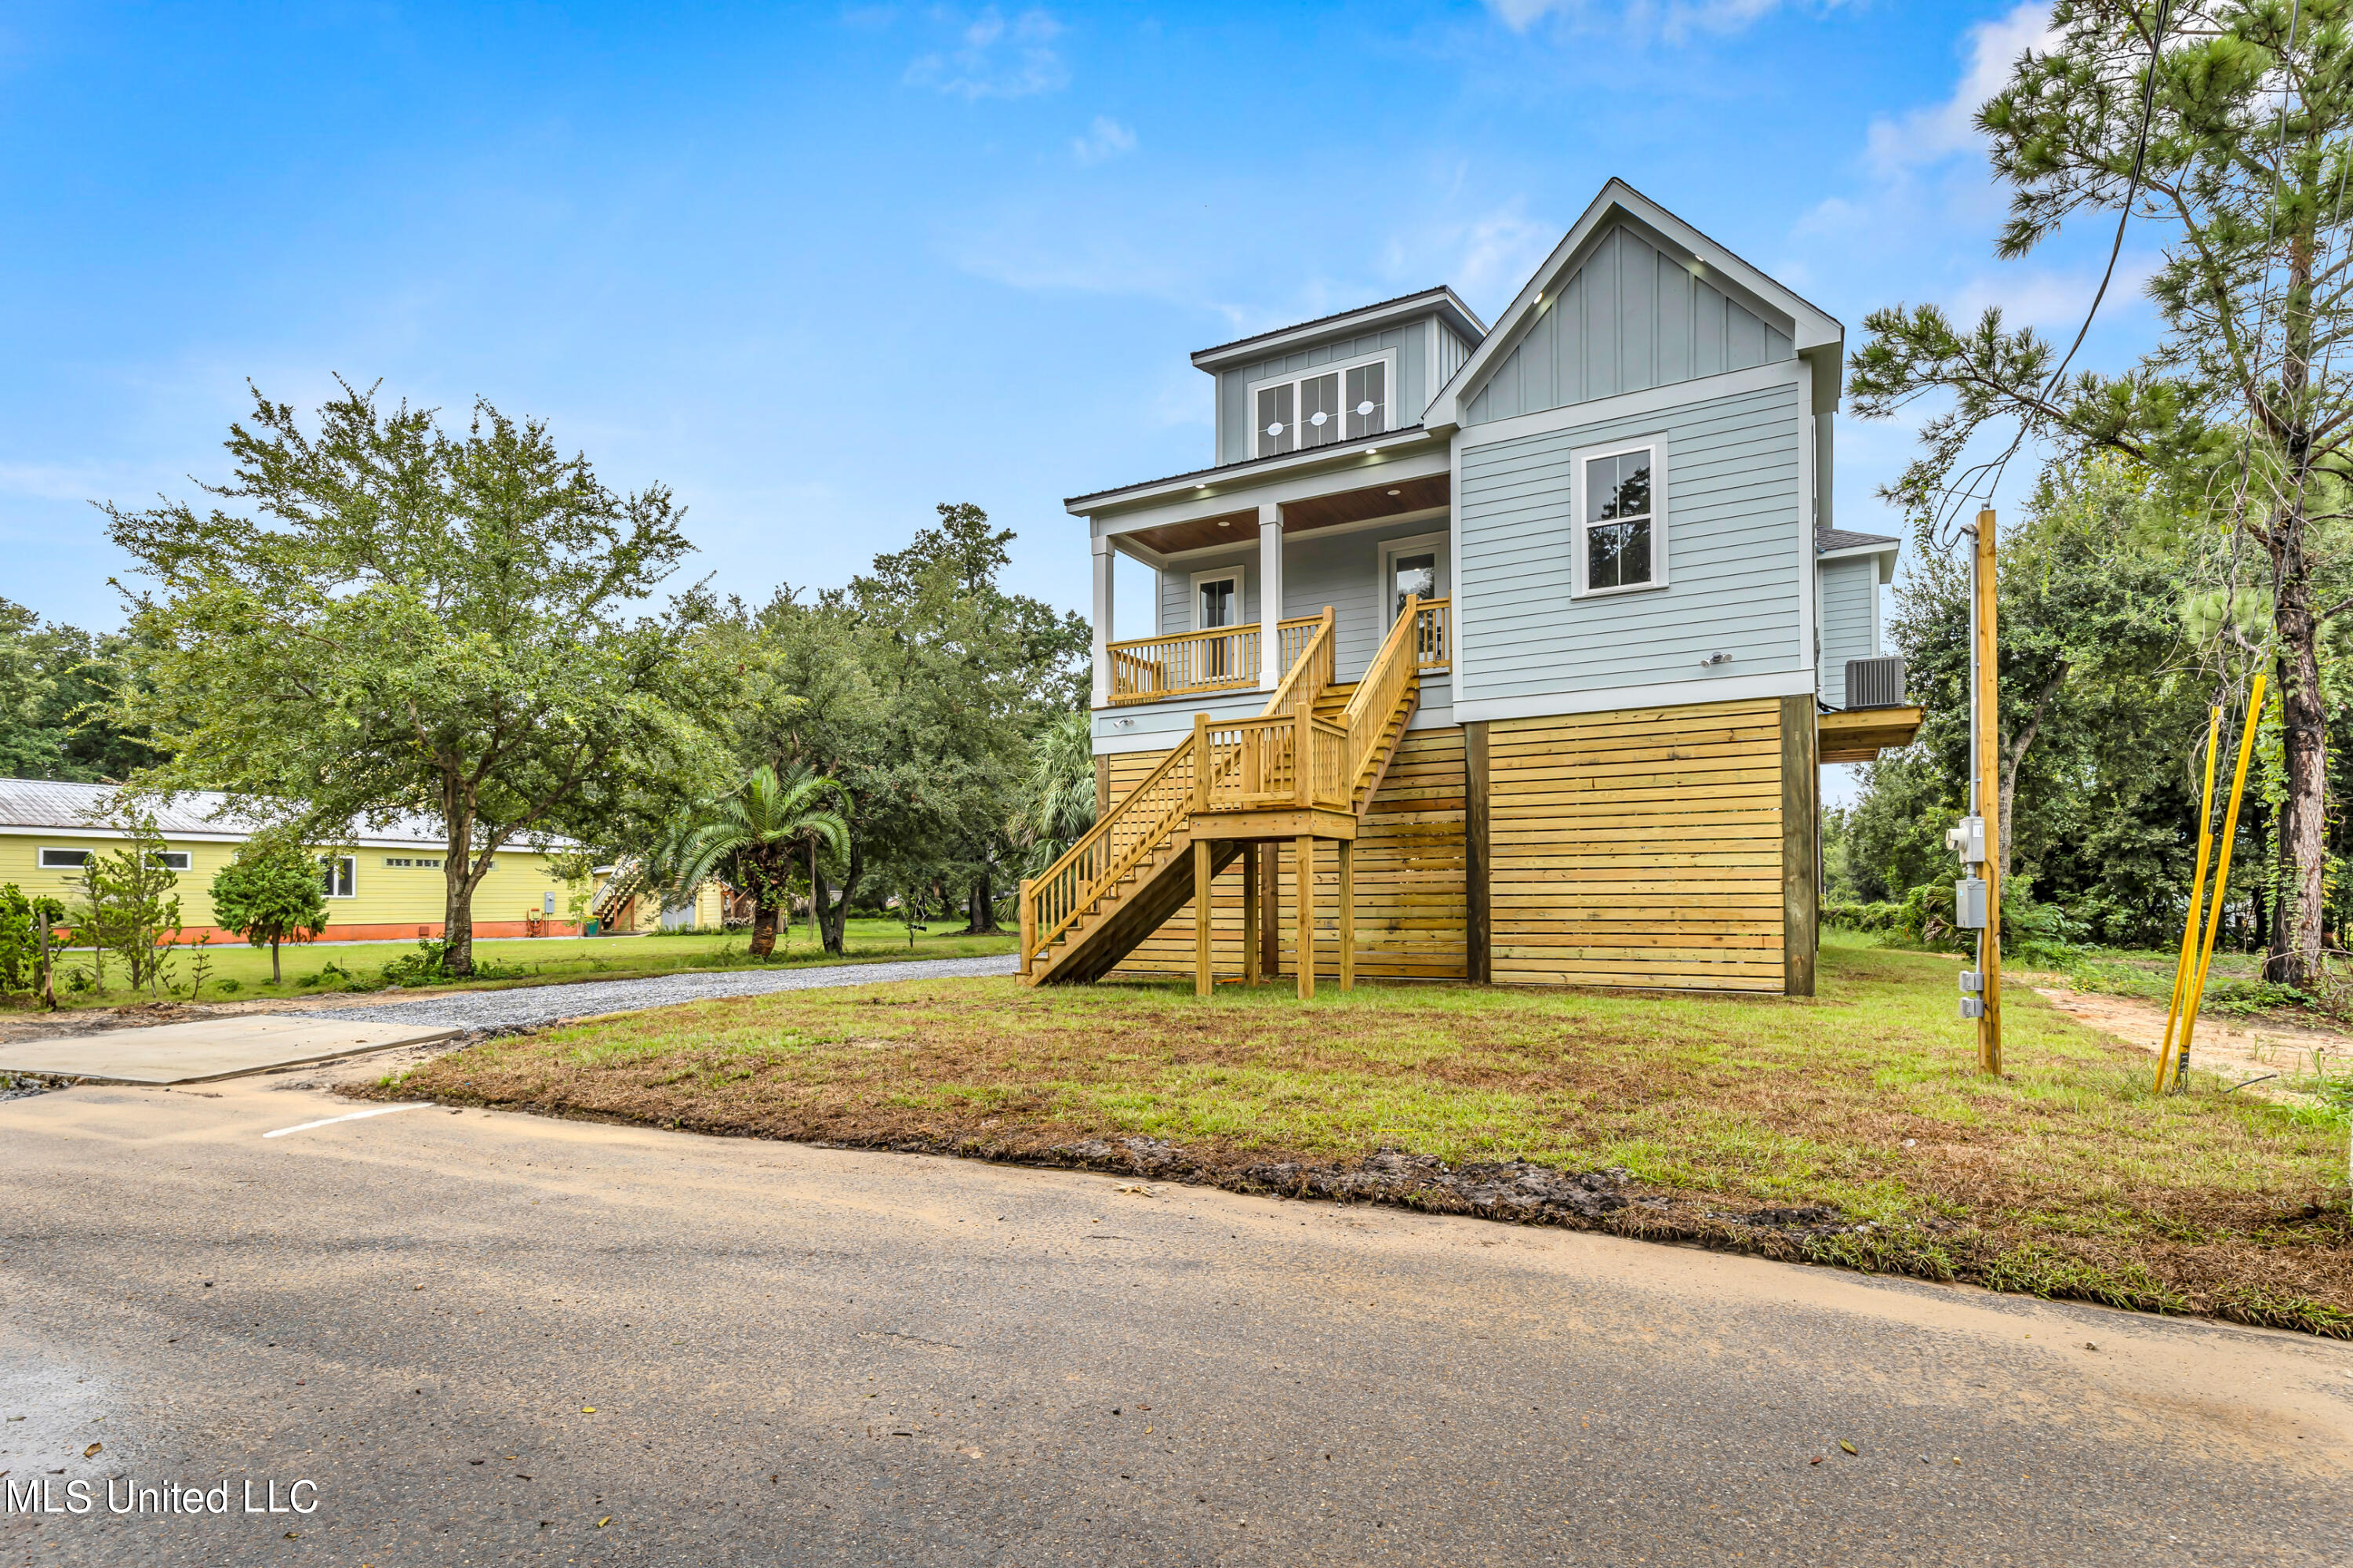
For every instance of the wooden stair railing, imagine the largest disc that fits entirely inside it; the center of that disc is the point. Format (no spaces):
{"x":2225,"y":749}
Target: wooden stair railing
{"x":1392,"y":679}
{"x":1151,"y":815}
{"x":1286,"y":756}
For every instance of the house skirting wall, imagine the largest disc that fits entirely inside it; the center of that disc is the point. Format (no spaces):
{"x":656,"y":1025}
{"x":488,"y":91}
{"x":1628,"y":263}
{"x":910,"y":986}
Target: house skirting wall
{"x":1669,"y":848}
{"x":392,"y":931}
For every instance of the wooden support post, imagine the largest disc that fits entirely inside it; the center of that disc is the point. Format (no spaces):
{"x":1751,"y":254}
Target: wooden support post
{"x":1102,"y":786}
{"x":1251,"y":975}
{"x":1028,"y":928}
{"x":1201,"y":769}
{"x":1989,"y":766}
{"x":1269,"y":919}
{"x":1800,"y":827}
{"x":1478,"y":907}
{"x":1303,"y":751}
{"x":1303,"y":868}
{"x":1202,"y":979}
{"x":1347,"y":916}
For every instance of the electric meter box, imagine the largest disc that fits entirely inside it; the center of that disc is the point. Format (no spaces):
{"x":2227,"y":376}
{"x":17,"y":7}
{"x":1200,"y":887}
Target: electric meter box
{"x":1972,"y":1007}
{"x":1970,"y":904}
{"x":1968,"y":841}
{"x":1972,"y":980}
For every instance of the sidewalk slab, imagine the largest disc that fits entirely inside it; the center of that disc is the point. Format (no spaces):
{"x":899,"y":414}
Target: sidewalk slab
{"x":205,"y":1049}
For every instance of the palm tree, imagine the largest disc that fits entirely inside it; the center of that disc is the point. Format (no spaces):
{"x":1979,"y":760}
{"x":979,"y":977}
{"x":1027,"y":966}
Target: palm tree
{"x":749,"y":840}
{"x":1057,"y":803}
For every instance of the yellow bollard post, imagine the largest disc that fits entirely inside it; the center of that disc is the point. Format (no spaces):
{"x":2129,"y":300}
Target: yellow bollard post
{"x":2221,"y":881}
{"x":2187,"y":962}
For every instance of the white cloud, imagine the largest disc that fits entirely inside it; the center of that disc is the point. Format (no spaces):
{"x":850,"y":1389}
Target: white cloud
{"x":1486,"y":256}
{"x":992,"y":57}
{"x":1672,"y":20}
{"x":1930,"y":134}
{"x":1105,"y":139}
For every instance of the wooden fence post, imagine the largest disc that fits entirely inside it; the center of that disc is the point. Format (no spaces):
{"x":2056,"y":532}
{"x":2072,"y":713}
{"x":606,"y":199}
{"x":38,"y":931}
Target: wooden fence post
{"x":1028,"y":928}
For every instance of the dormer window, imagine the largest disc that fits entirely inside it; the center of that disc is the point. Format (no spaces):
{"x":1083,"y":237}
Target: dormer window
{"x":1323,"y":405}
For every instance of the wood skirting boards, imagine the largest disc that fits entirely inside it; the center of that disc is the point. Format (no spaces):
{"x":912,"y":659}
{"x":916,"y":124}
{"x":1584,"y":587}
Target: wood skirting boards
{"x":1659,"y":848}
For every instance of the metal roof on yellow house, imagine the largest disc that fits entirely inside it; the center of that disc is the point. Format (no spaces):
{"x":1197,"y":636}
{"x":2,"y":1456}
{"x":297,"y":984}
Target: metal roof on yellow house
{"x":53,"y":807}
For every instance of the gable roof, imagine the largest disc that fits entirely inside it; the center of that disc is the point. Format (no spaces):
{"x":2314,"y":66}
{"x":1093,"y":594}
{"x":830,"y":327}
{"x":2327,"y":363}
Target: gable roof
{"x":1811,"y":329}
{"x":1441,"y":301}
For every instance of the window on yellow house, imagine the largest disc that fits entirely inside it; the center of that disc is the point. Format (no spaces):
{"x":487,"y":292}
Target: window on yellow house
{"x":339,"y":874}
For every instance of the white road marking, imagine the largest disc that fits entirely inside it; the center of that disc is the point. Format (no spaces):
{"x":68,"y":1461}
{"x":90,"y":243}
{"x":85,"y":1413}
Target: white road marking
{"x":355,"y":1115}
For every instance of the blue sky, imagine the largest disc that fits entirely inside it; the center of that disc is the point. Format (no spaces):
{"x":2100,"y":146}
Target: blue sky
{"x":817,"y":269}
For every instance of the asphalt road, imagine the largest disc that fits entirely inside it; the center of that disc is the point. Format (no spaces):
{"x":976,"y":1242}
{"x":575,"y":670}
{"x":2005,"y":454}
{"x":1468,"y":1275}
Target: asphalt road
{"x":491,"y":1338}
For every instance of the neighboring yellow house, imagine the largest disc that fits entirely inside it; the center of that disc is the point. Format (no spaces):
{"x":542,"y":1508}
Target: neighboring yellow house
{"x":625,"y":915}
{"x":381,"y":884}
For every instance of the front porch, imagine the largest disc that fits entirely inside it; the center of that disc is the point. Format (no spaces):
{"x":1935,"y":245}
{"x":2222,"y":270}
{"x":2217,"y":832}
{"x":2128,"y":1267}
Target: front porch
{"x":1227,"y":659}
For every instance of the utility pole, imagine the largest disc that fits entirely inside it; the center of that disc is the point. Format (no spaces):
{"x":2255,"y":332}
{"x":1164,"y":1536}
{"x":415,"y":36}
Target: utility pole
{"x":1977,"y":897}
{"x":1989,"y":699}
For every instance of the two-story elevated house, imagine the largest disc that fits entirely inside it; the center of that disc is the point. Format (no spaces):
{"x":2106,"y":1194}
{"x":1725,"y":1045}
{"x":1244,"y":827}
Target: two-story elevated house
{"x":1505,"y":653}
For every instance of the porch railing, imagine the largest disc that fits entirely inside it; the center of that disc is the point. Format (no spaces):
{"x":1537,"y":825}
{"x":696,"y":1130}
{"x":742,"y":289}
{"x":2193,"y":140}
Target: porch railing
{"x":1433,"y":635}
{"x":1276,"y":760}
{"x":1152,"y":669}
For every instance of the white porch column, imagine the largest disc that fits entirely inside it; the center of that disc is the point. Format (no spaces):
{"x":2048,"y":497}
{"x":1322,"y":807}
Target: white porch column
{"x":1270,"y":596}
{"x":1102,"y":627}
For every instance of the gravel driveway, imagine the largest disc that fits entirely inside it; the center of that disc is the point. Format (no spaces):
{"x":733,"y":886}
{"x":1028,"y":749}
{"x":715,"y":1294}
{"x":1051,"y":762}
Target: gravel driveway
{"x":549,"y":1004}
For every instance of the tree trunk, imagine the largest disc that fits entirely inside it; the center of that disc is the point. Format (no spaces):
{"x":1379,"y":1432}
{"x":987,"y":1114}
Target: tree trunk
{"x":2303,"y":825}
{"x":764,"y":926}
{"x":458,"y":879}
{"x":981,"y":914}
{"x":832,"y":916}
{"x":275,"y":978}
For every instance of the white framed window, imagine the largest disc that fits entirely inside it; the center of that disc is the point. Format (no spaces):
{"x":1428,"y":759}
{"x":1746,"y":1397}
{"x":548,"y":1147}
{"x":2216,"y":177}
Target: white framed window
{"x":339,"y":875}
{"x":403,"y":862}
{"x":1322,"y":405}
{"x":170,"y":860}
{"x":65,"y":859}
{"x":1621,"y":518}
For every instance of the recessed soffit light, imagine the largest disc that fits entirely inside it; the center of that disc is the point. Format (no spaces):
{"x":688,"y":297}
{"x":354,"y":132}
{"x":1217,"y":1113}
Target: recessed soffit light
{"x":1397,"y":492}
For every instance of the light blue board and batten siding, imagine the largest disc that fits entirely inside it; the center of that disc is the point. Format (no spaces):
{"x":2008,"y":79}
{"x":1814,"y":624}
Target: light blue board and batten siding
{"x":1407,"y":399}
{"x":1631,"y":318}
{"x":1733,"y":480}
{"x":1848,"y":588}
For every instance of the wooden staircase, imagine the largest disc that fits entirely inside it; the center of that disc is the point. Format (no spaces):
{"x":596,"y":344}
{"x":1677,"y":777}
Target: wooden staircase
{"x":1306,"y":768}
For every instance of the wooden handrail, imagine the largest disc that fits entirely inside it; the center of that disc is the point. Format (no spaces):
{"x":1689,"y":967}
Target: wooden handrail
{"x":1139,"y":822}
{"x":1311,"y":672}
{"x":1382,"y":688}
{"x":1202,"y":771}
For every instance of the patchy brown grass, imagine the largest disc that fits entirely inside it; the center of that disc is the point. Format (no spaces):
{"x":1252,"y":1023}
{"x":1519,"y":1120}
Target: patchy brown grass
{"x":2067,"y":1177}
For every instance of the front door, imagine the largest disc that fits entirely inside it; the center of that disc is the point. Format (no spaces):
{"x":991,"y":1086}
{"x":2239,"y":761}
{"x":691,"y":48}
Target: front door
{"x":1416,"y":568}
{"x":1216,"y":603}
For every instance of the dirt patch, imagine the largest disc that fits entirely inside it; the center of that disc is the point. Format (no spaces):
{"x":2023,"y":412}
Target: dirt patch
{"x":2258,"y":1058}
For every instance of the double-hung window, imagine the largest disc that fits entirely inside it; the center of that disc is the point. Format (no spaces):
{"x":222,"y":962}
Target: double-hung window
{"x":339,"y":875}
{"x":1322,"y":407}
{"x":1622,"y":538}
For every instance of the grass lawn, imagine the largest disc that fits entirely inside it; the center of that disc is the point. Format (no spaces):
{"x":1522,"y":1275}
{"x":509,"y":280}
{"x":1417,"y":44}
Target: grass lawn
{"x":359,"y":965}
{"x":1732,"y":1117}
